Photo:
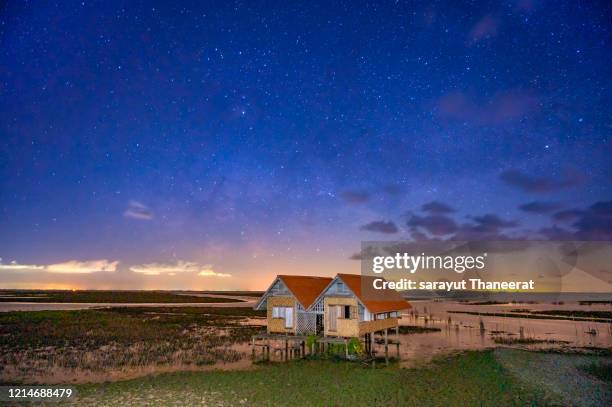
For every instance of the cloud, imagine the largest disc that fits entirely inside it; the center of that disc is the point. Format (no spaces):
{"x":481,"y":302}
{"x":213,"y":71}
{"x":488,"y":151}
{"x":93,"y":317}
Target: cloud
{"x":591,"y":224}
{"x":494,"y":222}
{"x":529,"y":183}
{"x":557,"y":233}
{"x":156,"y":269}
{"x":596,"y":222}
{"x":82,"y":267}
{"x":381,"y":227}
{"x":471,"y":232}
{"x":14,"y":266}
{"x":393,"y":190}
{"x":437,"y":225}
{"x":539,"y":207}
{"x":484,"y":28}
{"x":211,"y":273}
{"x":486,"y":227}
{"x":502,"y":107}
{"x":438,"y":208}
{"x":356,"y":256}
{"x":568,"y":215}
{"x":67,"y":267}
{"x":138,"y":210}
{"x":355,"y":197}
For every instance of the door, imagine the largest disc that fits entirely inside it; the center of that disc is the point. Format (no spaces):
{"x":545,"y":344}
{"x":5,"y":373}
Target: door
{"x":319,"y":324}
{"x":332,"y":318}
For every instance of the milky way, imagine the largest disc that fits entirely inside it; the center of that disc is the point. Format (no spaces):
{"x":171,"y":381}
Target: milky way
{"x":247,"y":138}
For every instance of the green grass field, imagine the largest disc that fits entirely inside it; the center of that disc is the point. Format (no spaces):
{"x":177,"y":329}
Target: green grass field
{"x":468,"y":379}
{"x":98,"y":296}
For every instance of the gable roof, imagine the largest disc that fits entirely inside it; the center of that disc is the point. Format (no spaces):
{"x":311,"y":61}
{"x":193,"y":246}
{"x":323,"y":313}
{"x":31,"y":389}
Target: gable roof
{"x":393,"y":300}
{"x":305,"y":289}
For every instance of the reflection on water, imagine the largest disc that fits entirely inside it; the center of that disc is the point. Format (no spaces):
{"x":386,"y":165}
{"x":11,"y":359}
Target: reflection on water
{"x":465,"y":331}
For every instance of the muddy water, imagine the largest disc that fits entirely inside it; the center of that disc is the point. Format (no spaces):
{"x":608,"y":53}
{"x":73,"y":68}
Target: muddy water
{"x":463,"y":331}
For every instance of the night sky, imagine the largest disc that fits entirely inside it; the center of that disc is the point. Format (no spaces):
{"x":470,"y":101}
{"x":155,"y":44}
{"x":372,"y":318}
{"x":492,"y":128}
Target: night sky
{"x":216,"y":144}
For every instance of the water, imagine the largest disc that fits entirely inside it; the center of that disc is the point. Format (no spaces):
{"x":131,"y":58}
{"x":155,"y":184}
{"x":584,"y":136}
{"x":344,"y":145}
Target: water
{"x":464,"y":330}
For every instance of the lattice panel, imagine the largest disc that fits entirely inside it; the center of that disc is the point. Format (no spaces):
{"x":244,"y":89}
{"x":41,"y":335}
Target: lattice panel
{"x":318,"y":308}
{"x":306,"y":323}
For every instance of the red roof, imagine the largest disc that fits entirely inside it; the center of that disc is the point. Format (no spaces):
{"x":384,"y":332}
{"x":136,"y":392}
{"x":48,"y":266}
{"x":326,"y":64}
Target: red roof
{"x":392,"y":301}
{"x":306,"y":289}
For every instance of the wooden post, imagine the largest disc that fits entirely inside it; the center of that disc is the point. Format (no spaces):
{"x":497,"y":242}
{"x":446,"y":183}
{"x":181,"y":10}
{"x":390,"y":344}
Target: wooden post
{"x":286,"y":349}
{"x":303,"y":347}
{"x":386,"y":348}
{"x":345,"y":348}
{"x":253,"y":348}
{"x":397,"y":338}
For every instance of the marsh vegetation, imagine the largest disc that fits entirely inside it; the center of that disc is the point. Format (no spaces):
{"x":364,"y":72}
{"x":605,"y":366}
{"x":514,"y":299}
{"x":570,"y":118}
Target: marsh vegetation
{"x":50,"y":346}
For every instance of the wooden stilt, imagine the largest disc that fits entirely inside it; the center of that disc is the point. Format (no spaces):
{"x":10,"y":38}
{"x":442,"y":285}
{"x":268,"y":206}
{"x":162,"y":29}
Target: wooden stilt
{"x":386,"y":347}
{"x":286,"y":349}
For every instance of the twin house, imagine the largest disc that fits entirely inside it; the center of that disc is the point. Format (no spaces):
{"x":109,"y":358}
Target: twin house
{"x":339,"y":306}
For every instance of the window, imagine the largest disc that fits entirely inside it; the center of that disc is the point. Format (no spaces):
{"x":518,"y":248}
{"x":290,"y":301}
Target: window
{"x":347,"y":312}
{"x":285,"y":313}
{"x":288,"y":317}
